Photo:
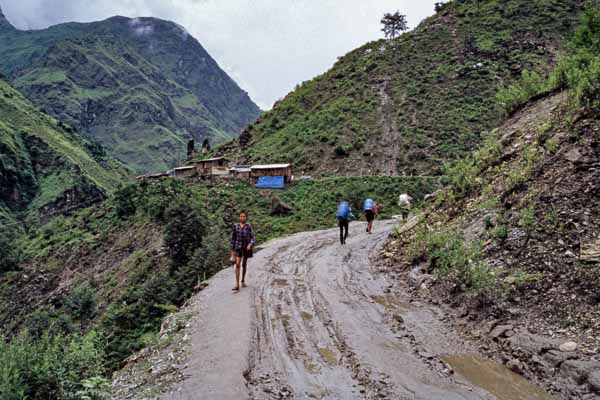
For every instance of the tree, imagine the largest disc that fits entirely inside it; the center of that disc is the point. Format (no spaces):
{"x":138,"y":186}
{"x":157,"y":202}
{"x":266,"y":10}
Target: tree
{"x":394,"y":24}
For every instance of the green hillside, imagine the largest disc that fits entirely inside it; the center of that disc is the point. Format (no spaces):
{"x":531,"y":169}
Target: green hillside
{"x":514,"y":235}
{"x":44,"y":166}
{"x":405,"y":106}
{"x":141,"y":87}
{"x":115,"y":269}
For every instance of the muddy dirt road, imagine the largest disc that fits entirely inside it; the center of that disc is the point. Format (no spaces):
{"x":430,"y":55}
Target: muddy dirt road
{"x":316,"y":322}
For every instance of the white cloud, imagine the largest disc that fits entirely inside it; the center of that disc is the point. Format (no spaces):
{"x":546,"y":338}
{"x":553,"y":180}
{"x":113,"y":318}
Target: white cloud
{"x":267,"y":46}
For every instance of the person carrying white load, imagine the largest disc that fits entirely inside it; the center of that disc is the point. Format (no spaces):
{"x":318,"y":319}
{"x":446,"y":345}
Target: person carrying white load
{"x":405,"y":203}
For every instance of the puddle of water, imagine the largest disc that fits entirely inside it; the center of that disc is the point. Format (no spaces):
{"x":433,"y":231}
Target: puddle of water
{"x":328,"y":356}
{"x":311,"y":367}
{"x":495,"y":378}
{"x":306,"y":316}
{"x":285,"y":320}
{"x":392,"y":346}
{"x":280,"y":282}
{"x":381,"y":300}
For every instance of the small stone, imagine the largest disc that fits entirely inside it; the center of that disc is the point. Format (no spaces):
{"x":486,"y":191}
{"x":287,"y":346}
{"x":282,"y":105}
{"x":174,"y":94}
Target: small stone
{"x":568,"y":347}
{"x":500,"y":331}
{"x":425,"y":354}
{"x":515,"y":366}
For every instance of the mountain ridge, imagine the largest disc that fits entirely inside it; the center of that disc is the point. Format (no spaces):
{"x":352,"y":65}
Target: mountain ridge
{"x":142,"y":87}
{"x":416,"y":101}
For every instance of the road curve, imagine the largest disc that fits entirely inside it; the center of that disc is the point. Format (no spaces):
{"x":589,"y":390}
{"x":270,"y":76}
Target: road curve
{"x":316,"y":323}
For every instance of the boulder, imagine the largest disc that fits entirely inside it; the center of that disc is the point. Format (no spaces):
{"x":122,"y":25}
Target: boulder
{"x":579,"y":371}
{"x":500,"y":331}
{"x":515,"y":366}
{"x":416,"y":278}
{"x":531,"y":343}
{"x":553,"y":358}
{"x":573,"y":155}
{"x":594,"y":381}
{"x":279,"y":208}
{"x":568,"y":347}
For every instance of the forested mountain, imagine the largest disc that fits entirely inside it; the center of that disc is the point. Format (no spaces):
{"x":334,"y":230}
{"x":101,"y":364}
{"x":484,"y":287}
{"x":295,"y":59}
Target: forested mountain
{"x":44,"y":166}
{"x":141,"y":87}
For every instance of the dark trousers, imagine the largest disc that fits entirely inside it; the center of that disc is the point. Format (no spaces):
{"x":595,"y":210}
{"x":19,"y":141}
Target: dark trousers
{"x":343,"y":223}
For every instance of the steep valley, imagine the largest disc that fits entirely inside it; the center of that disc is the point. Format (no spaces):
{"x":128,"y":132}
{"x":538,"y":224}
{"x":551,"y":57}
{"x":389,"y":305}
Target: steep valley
{"x":140,"y":87}
{"x":486,"y":113}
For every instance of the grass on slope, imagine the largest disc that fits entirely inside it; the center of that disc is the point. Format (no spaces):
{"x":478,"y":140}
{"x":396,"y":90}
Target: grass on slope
{"x":420,"y":99}
{"x":19,"y":115}
{"x":519,"y":216}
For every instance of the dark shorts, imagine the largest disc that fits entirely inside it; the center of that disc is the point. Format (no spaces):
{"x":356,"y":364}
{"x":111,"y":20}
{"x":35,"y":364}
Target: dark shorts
{"x":244,"y":253}
{"x":370,"y":215}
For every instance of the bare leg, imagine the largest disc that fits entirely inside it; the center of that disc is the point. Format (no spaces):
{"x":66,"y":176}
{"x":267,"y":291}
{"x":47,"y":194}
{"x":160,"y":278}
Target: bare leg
{"x":244,"y":264}
{"x":237,"y":273}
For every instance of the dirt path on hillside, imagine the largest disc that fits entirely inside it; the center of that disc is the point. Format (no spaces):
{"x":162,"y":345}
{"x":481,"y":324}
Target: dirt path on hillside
{"x":389,"y":140}
{"x":317,"y":322}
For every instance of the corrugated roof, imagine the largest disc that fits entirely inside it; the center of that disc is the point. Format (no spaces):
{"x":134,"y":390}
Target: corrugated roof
{"x":240,"y":169}
{"x":211,"y":159}
{"x":185,"y":168}
{"x":271,"y":166}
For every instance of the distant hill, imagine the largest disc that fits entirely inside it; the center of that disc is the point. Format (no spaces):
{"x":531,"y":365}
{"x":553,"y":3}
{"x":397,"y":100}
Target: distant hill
{"x":141,"y":87}
{"x":44,"y":167}
{"x":406,"y":106}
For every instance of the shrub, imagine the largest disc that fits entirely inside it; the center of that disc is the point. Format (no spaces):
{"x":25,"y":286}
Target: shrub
{"x":580,"y":70}
{"x":462,"y":176}
{"x":530,"y":84}
{"x":96,"y":388}
{"x":527,"y":218}
{"x":9,"y":260}
{"x":49,"y":367}
{"x":125,"y":201}
{"x":184,"y":231}
{"x":450,"y":256}
{"x":81,"y":304}
{"x":552,"y":145}
{"x":501,"y":232}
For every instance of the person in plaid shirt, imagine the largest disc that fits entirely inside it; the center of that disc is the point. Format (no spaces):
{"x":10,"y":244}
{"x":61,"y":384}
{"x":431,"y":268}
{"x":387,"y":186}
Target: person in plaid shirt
{"x":242,"y":242}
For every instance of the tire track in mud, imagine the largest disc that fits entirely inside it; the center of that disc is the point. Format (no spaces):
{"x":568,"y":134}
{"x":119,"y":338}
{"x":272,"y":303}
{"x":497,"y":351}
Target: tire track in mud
{"x":322,"y":329}
{"x":318,"y":321}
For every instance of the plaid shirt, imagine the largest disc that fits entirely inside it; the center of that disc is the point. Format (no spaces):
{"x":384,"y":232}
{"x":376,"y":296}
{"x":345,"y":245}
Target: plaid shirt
{"x":242,"y":237}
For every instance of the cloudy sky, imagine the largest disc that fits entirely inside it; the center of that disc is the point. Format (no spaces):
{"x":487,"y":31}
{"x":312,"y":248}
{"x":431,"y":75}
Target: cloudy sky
{"x":267,"y":46}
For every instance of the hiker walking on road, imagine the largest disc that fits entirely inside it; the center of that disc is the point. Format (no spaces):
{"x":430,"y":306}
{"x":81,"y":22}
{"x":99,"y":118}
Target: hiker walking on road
{"x":344,"y":213}
{"x":369,"y":209}
{"x":405,"y":203}
{"x":242,"y":242}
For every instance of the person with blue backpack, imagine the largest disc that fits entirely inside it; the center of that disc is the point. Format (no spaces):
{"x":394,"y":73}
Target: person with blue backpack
{"x":369,"y":209}
{"x":344,"y":213}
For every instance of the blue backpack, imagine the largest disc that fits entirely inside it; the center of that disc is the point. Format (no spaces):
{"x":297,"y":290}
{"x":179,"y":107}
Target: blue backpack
{"x":343,"y":210}
{"x":369,"y":204}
